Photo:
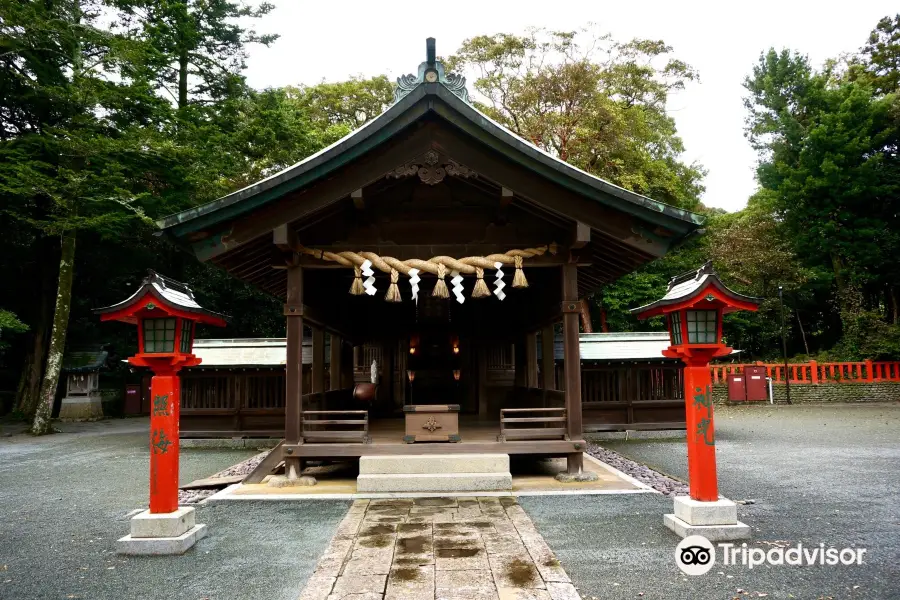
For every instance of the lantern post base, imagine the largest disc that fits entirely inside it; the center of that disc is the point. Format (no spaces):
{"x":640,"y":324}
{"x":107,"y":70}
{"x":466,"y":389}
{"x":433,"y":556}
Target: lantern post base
{"x":162,"y":533}
{"x":716,"y":520}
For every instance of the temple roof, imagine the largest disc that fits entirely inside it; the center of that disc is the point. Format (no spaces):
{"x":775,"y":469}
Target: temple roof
{"x":416,"y":96}
{"x":176,"y":293}
{"x":84,"y":361}
{"x":690,"y":285}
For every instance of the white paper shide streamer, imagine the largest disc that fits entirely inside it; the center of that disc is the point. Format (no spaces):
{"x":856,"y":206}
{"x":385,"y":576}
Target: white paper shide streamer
{"x":414,"y":280}
{"x":498,"y":283}
{"x":457,"y":286}
{"x":369,"y":283}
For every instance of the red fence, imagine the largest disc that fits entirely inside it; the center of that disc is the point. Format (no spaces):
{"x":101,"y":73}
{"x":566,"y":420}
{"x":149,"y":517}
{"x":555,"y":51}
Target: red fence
{"x":814,"y":372}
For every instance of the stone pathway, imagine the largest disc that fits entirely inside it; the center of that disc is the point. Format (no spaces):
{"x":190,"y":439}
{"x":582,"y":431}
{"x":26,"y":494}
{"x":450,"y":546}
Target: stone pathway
{"x":482,"y":548}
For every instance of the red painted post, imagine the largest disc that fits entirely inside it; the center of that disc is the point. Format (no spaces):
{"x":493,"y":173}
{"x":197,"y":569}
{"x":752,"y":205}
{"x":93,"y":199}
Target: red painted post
{"x":701,"y":441}
{"x":870,"y":375}
{"x":814,"y":371}
{"x":165,"y":405}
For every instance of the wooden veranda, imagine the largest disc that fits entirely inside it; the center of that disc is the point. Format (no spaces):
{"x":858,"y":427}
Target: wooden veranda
{"x":431,"y":179}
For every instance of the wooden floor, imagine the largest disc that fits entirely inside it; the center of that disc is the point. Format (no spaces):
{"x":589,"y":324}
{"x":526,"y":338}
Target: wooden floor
{"x":478,"y":437}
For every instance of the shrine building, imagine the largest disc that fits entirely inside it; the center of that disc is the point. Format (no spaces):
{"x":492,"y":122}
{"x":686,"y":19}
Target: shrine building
{"x":441,"y":244}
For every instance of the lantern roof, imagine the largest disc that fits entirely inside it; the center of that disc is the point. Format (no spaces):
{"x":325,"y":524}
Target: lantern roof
{"x":175,"y":296}
{"x":685,"y":288}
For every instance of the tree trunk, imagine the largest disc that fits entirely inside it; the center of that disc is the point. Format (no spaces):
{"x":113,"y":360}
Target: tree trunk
{"x":29,"y":388}
{"x":802,"y":333}
{"x":42,"y":415}
{"x":895,"y":306}
{"x":182,"y":80}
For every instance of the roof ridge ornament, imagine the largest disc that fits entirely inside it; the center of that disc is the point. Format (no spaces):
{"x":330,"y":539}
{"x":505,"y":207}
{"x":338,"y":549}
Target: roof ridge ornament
{"x":431,"y":71}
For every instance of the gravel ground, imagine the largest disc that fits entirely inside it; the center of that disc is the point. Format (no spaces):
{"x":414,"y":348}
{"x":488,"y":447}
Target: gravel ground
{"x":245,"y":467}
{"x":65,"y":499}
{"x":818,"y":474}
{"x":658,"y":481}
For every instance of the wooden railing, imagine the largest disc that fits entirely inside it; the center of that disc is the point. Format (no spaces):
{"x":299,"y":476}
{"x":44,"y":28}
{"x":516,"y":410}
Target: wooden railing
{"x":813,"y":372}
{"x":348,"y":426}
{"x":550,"y":424}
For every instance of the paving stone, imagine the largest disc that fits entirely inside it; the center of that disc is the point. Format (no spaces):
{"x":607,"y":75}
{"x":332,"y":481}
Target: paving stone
{"x":445,"y":501}
{"x":523,"y":594}
{"x":464,"y":585}
{"x":471,"y":558}
{"x":318,"y":587}
{"x":515,"y":571}
{"x":359,"y":584}
{"x":563,"y":591}
{"x":363,"y":596}
{"x":496,"y":543}
{"x":544,"y":559}
{"x":335,"y":556}
{"x":410,"y":583}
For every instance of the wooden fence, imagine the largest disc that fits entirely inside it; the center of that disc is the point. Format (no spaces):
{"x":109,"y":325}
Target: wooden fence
{"x":813,"y":372}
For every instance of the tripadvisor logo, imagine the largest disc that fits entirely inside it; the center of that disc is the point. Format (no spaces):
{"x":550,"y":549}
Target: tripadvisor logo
{"x":696,"y":555}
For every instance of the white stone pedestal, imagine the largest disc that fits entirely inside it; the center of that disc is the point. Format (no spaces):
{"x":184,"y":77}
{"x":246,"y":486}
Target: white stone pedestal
{"x":164,"y":533}
{"x":716,"y":521}
{"x":81,"y":408}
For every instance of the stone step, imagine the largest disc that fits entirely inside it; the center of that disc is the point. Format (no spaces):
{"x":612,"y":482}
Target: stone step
{"x":434,"y":464}
{"x":435,"y":482}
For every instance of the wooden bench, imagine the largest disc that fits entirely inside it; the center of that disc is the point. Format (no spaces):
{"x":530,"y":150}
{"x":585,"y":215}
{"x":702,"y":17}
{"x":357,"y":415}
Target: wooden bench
{"x":336,"y":426}
{"x":544,"y":423}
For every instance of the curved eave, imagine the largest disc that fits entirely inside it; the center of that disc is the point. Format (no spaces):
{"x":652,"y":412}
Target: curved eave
{"x":405,"y":112}
{"x":658,"y":307}
{"x":209,"y":317}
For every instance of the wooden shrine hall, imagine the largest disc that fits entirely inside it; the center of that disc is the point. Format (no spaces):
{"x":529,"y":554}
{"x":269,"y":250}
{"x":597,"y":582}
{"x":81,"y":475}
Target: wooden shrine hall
{"x":434,"y":231}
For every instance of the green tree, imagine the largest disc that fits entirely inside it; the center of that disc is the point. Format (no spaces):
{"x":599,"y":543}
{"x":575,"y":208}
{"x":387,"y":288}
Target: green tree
{"x":195,"y":50}
{"x":594,"y":102}
{"x":827,"y":146}
{"x":76,"y":155}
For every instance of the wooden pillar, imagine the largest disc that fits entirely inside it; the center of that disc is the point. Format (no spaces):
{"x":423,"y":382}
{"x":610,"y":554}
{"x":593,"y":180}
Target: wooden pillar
{"x":572,"y":358}
{"x":318,"y":361}
{"x":387,"y":376}
{"x":293,"y":401}
{"x":531,"y":365}
{"x":519,"y":379}
{"x":482,"y":380}
{"x":402,"y":366}
{"x":347,"y":363}
{"x":336,"y":362}
{"x":548,"y":359}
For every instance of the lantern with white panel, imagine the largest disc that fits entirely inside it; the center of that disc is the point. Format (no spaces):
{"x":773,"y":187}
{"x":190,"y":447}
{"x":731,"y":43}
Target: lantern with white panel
{"x":693,"y":308}
{"x":166,"y":315}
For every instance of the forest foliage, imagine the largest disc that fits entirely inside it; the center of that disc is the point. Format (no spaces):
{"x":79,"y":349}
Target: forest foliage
{"x":117,"y":112}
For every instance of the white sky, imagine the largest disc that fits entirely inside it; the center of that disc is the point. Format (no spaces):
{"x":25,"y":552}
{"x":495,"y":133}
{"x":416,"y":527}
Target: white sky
{"x":721,"y":39}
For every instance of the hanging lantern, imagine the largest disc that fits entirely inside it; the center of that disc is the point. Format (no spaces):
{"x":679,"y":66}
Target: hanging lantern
{"x":456,"y":374}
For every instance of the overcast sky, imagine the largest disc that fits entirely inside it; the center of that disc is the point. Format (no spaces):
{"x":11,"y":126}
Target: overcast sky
{"x":721,"y":39}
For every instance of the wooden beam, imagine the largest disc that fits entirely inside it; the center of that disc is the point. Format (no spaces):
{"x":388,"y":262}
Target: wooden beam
{"x":358,"y":201}
{"x":340,"y":184}
{"x":548,"y":363}
{"x":318,"y":360}
{"x":335,"y":368}
{"x":284,"y":237}
{"x":293,"y":400}
{"x":581,"y":235}
{"x":538,"y":189}
{"x":572,"y":360}
{"x":531,"y":364}
{"x":405,"y":252}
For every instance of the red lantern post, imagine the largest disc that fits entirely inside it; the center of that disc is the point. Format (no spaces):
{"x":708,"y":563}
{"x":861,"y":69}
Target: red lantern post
{"x":693,"y":307}
{"x":166,"y":315}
